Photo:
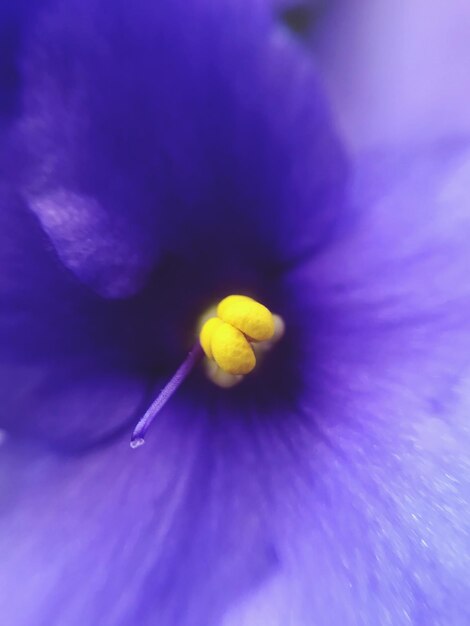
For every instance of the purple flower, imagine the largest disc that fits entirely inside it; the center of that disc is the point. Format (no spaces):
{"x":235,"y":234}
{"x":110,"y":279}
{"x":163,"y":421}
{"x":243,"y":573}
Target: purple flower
{"x":157,"y":157}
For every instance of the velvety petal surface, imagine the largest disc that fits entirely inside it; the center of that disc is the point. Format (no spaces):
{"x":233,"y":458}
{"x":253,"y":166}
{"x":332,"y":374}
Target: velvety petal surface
{"x":71,"y":369}
{"x":116,"y":538}
{"x":345,"y":501}
{"x":172,"y":126}
{"x":396,"y":71}
{"x":381,"y":504}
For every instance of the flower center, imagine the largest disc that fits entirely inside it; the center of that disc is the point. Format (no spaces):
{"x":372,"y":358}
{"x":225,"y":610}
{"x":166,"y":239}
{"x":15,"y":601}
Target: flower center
{"x":240,"y":330}
{"x":231,"y":336}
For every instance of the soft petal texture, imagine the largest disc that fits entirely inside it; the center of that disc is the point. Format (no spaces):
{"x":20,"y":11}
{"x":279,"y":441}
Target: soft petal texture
{"x":381,"y":511}
{"x":352,"y":506}
{"x":397,"y":71}
{"x":119,"y":538}
{"x":172,"y":126}
{"x":371,"y":522}
{"x":68,"y":358}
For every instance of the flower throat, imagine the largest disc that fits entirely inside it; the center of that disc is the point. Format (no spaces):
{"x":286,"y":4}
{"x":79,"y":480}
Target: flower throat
{"x":232,"y":337}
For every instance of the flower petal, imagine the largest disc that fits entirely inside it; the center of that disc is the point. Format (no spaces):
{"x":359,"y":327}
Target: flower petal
{"x":372,"y":526}
{"x":67,"y":370}
{"x":151,"y":128}
{"x":397,"y":72}
{"x":118,"y":537}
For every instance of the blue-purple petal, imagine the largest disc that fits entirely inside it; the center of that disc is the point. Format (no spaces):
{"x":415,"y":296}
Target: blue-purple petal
{"x":151,"y":128}
{"x":396,"y":72}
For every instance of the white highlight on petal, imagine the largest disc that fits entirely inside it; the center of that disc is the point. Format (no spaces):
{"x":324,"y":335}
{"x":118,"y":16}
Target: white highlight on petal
{"x":100,"y":251}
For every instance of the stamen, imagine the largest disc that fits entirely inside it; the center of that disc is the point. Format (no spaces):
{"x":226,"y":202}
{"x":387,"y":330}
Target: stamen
{"x":138,"y":436}
{"x":232,"y":336}
{"x":229,"y":338}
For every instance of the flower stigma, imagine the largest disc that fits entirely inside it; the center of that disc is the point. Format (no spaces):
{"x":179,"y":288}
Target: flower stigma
{"x":232,"y":336}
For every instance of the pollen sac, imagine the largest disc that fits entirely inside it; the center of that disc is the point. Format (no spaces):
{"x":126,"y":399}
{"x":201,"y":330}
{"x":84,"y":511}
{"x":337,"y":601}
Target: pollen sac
{"x":231,"y":350}
{"x":252,"y":318}
{"x":205,"y":336}
{"x":231,"y":338}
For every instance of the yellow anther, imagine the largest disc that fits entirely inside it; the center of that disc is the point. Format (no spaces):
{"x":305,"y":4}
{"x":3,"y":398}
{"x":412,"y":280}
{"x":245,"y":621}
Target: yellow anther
{"x":231,"y":350}
{"x":252,"y":318}
{"x":226,"y":339}
{"x":205,"y":336}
